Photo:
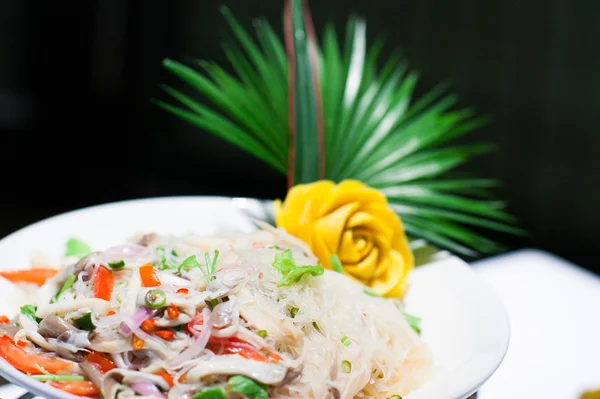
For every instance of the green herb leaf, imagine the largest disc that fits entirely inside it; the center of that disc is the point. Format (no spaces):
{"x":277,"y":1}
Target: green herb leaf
{"x":75,"y":247}
{"x":189,"y":263}
{"x":413,"y":321}
{"x":306,"y":134}
{"x":274,"y":247}
{"x":336,"y":264}
{"x":117,"y":265}
{"x":371,"y":293}
{"x":84,"y":322}
{"x":67,"y":284}
{"x":395,"y":397}
{"x":211,"y":393}
{"x":248,"y":387}
{"x":56,"y":378}
{"x":29,"y":311}
{"x":174,"y":253}
{"x":291,"y":273}
{"x":179,"y":327}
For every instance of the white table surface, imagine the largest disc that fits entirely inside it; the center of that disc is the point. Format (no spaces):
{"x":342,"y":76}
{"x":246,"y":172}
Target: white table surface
{"x":554,"y":311}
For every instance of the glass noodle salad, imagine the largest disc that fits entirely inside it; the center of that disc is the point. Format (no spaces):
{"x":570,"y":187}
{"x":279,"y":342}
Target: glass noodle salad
{"x":194,"y":317}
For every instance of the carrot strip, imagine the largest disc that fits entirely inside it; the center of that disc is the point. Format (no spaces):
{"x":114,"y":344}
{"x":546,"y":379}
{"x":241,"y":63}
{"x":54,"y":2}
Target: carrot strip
{"x":34,"y":276}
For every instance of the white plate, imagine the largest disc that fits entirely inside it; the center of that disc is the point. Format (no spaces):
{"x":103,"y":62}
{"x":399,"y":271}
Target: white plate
{"x":464,"y":322}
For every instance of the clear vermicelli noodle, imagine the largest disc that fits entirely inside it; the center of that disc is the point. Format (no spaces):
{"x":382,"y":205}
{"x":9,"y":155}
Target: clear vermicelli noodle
{"x":240,"y":316}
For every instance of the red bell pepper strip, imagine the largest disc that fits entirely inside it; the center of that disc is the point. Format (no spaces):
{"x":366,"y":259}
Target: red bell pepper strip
{"x":104,"y":282}
{"x":29,"y":363}
{"x":101,"y":361}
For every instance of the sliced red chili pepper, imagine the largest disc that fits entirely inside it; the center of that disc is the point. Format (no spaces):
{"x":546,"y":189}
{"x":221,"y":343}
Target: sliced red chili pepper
{"x":148,"y":326}
{"x":173,"y":312}
{"x":165,"y":334}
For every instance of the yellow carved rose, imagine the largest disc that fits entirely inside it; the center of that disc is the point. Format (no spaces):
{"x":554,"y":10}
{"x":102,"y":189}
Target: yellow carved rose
{"x":353,"y":221}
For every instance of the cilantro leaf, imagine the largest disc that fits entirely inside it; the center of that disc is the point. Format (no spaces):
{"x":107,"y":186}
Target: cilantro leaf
{"x":75,"y":247}
{"x":189,"y":263}
{"x":248,"y":387}
{"x":290,"y":272}
{"x":413,"y":321}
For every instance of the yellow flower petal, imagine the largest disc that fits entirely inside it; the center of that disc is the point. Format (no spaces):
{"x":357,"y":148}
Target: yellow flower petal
{"x":348,"y":252}
{"x":366,"y":267}
{"x":393,"y":281}
{"x":355,"y":222}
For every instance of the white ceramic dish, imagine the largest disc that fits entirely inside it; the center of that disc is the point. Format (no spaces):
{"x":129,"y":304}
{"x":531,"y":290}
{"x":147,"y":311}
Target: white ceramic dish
{"x":464,"y":322}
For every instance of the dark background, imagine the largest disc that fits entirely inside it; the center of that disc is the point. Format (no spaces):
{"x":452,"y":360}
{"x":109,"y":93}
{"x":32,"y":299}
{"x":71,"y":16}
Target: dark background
{"x":77,"y":127}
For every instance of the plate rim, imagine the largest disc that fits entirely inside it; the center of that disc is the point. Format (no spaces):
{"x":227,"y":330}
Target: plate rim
{"x":40,"y":388}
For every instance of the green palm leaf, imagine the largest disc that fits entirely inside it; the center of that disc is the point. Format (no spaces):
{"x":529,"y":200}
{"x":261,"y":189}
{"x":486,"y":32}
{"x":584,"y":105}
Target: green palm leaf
{"x":374,"y":130}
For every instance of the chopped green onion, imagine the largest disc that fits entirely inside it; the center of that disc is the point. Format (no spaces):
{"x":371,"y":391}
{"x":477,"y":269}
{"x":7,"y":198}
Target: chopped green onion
{"x":29,"y":311}
{"x":119,"y":299}
{"x":211,"y":265}
{"x":346,"y":341}
{"x":371,"y":293}
{"x":274,"y":247}
{"x":75,"y":247}
{"x":179,"y":327}
{"x":67,"y":284}
{"x":211,"y":393}
{"x":316,"y":326}
{"x":294,"y":311}
{"x":117,"y":265}
{"x":213,"y":303}
{"x":247,"y":387}
{"x":84,"y":322}
{"x":346,"y":367}
{"x":413,"y":321}
{"x":336,"y":264}
{"x":155,"y":298}
{"x":395,"y":397}
{"x":56,"y":378}
{"x":262,"y":333}
{"x":174,"y":253}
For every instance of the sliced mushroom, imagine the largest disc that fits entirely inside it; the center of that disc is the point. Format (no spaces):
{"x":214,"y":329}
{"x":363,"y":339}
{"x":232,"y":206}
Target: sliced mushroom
{"x":92,"y":373}
{"x":147,"y":239}
{"x":97,"y":305}
{"x":54,"y":326}
{"x":266,"y":373}
{"x":116,"y":381}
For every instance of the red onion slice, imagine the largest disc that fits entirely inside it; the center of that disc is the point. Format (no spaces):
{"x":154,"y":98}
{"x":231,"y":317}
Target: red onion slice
{"x":146,"y":389}
{"x":199,"y":343}
{"x":142,"y":314}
